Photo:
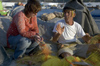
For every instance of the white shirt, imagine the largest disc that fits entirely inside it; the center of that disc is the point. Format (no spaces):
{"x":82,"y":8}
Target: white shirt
{"x":70,"y":32}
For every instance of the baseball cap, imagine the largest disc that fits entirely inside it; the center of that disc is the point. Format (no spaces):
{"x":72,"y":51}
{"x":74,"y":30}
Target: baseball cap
{"x":68,"y":8}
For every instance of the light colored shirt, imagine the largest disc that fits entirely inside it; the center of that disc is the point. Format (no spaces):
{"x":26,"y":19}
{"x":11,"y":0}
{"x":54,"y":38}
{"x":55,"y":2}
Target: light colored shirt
{"x":70,"y":32}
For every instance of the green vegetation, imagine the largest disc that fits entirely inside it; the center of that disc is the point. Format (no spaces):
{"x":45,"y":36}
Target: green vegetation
{"x":1,"y":9}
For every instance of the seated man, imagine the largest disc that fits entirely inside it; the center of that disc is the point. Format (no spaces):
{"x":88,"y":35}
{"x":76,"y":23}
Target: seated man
{"x":66,"y":32}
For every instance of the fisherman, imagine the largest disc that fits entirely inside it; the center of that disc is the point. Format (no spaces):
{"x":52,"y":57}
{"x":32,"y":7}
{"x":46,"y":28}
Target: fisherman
{"x":66,"y":32}
{"x":22,"y":35}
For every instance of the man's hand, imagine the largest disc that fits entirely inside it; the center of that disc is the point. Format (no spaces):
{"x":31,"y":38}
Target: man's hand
{"x":38,"y":38}
{"x":57,"y":34}
{"x":88,"y":34}
{"x":59,"y":29}
{"x":87,"y":38}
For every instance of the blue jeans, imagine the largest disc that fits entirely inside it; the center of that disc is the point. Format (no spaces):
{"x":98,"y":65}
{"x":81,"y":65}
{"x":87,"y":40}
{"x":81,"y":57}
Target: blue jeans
{"x":21,"y":45}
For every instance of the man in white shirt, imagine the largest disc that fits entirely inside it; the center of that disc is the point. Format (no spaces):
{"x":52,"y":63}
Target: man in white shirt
{"x":66,"y":32}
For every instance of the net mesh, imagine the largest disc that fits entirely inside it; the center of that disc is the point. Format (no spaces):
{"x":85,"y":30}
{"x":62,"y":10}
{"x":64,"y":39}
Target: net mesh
{"x":94,"y":59}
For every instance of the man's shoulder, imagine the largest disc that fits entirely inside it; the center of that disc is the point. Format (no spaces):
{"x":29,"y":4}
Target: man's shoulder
{"x":76,"y":23}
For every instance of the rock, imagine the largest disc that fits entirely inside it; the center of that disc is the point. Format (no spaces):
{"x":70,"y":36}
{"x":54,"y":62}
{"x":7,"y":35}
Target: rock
{"x":53,"y":7}
{"x":46,"y":17}
{"x":4,"y":25}
{"x":4,"y":58}
{"x":43,"y":16}
{"x":16,"y":10}
{"x":46,"y":28}
{"x":58,"y":14}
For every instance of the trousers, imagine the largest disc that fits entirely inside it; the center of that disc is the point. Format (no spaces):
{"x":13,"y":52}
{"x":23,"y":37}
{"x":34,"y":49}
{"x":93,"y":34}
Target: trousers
{"x":21,"y":45}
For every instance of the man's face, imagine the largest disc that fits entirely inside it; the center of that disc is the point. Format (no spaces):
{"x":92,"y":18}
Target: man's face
{"x":68,"y":15}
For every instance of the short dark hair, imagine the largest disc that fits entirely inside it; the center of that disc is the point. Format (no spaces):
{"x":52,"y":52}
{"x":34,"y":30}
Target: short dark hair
{"x":32,"y":6}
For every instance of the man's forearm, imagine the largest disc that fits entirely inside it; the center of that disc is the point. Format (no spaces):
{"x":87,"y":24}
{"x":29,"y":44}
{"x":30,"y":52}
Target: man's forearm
{"x":56,"y":37}
{"x":86,"y":38}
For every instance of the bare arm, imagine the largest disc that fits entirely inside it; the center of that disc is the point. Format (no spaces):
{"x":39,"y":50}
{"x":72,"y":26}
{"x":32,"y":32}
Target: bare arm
{"x":56,"y":37}
{"x":58,"y":33}
{"x":86,"y":38}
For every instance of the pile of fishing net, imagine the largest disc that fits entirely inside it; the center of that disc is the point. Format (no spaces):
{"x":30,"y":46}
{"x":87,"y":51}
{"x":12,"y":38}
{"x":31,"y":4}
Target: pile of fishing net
{"x":44,"y":58}
{"x":39,"y":57}
{"x":52,"y":61}
{"x":95,"y":39}
{"x":67,"y":61}
{"x":34,"y":59}
{"x":94,"y":58}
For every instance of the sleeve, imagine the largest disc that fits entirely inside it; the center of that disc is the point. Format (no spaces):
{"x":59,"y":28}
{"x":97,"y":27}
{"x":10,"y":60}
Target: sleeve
{"x":22,"y":29}
{"x":36,"y":25}
{"x":80,"y":31}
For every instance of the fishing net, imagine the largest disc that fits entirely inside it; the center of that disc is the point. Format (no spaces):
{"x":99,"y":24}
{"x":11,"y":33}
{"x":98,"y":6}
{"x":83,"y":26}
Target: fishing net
{"x":45,"y":58}
{"x":39,"y":57}
{"x":67,"y":61}
{"x":94,"y":59}
{"x":95,"y":39}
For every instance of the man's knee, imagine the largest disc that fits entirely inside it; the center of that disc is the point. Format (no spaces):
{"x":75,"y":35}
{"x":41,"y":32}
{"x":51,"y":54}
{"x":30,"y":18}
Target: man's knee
{"x":64,"y":54}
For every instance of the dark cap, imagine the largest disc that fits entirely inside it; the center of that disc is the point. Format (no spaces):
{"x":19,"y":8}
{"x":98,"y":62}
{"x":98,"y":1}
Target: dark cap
{"x":68,"y":8}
